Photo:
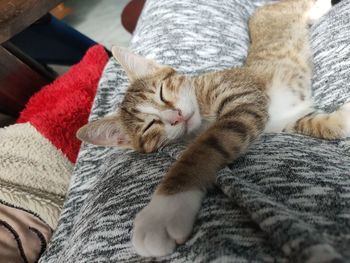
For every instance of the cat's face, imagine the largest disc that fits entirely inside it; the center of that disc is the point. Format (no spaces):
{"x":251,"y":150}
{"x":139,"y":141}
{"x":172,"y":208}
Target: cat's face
{"x":159,"y":106}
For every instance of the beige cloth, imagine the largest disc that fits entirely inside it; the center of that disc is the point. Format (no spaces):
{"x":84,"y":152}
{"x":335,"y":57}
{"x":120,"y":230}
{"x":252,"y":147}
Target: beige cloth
{"x":34,"y":175}
{"x":23,"y":236}
{"x":34,"y":178}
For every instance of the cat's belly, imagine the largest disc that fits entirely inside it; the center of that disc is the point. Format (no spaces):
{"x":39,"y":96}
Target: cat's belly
{"x":286,"y":106}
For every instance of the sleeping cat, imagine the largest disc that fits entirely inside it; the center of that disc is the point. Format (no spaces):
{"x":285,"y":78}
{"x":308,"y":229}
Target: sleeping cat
{"x":269,"y":93}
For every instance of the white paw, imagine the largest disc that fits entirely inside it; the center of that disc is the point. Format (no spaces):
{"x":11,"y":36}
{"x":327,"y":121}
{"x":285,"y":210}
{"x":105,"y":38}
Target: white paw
{"x":165,"y":222}
{"x":319,"y":9}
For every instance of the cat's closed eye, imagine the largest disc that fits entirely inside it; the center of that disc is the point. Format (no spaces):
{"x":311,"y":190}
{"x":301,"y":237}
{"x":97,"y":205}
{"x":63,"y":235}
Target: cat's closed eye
{"x":161,"y":93}
{"x":149,"y":125}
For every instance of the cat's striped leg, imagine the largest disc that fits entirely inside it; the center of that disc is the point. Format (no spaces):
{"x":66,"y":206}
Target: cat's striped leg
{"x":169,"y":217}
{"x":328,"y":126}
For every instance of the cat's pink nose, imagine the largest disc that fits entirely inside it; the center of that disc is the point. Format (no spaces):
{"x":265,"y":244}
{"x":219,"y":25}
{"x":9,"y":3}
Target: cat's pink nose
{"x":176,"y":117}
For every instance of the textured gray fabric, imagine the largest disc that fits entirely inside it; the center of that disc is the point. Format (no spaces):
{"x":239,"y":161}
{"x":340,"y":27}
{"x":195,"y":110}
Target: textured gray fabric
{"x":286,"y":200}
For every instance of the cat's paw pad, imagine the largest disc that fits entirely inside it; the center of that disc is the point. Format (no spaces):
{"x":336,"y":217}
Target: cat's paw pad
{"x":319,"y":9}
{"x":165,"y":222}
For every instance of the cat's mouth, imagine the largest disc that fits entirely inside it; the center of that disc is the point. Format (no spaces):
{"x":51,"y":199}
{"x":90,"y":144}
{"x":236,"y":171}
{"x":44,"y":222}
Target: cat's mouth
{"x":186,"y":123}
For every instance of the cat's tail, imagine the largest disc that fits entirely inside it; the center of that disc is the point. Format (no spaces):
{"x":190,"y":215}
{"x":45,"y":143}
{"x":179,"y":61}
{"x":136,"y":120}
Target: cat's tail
{"x":329,"y":126}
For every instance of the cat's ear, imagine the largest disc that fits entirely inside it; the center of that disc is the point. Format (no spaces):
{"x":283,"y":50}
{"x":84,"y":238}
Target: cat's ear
{"x":106,"y":131}
{"x":135,"y":66}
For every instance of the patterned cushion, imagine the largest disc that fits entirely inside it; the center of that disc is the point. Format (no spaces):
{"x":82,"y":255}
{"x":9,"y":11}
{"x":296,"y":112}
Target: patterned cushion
{"x":287,"y":199}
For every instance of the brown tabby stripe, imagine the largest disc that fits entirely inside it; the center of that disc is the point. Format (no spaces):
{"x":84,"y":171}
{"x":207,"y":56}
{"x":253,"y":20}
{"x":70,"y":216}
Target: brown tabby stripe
{"x":243,"y":110}
{"x":131,"y":114}
{"x":231,"y":98}
{"x":134,"y":111}
{"x":215,"y":144}
{"x":152,"y":138}
{"x":260,"y":117}
{"x":234,"y":126}
{"x":170,"y":104}
{"x":138,"y":87}
{"x":174,"y":184}
{"x":141,"y":87}
{"x":142,"y":96}
{"x":141,"y":143}
{"x":318,"y":127}
{"x":213,"y":88}
{"x":297,"y":123}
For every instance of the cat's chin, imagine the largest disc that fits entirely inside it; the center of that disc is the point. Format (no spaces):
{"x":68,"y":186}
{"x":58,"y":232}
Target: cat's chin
{"x":193,"y":124}
{"x":192,"y":131}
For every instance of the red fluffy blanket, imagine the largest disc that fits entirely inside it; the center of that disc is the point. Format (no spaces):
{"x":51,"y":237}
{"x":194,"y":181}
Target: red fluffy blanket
{"x":59,"y":109}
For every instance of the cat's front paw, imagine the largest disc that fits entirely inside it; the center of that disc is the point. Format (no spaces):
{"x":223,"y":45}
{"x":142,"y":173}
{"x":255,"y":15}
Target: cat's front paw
{"x":166,"y":221}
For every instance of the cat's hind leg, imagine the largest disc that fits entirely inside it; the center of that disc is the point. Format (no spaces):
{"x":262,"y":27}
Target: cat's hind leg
{"x":335,"y":125}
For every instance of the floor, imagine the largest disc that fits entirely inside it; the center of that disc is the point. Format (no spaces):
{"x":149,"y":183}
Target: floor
{"x":6,"y":120}
{"x":99,"y":20}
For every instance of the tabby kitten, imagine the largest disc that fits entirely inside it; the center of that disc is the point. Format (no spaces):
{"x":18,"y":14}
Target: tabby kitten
{"x":270,"y":92}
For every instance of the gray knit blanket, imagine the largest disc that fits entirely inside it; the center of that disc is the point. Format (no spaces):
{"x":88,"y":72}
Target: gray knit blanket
{"x":286,"y":200}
